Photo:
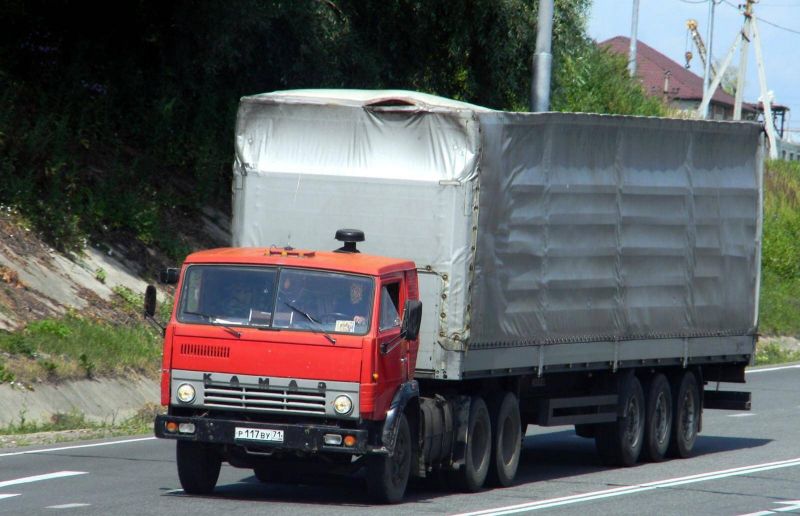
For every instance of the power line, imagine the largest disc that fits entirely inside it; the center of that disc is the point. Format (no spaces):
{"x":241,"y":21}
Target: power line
{"x":759,"y":18}
{"x":778,"y":26}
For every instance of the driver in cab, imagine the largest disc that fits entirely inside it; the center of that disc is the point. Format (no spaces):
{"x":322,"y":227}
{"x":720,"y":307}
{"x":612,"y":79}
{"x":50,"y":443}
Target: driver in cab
{"x":355,"y":307}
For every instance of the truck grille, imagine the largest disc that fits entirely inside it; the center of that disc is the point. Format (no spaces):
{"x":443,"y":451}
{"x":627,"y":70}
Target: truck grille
{"x":265,"y":400}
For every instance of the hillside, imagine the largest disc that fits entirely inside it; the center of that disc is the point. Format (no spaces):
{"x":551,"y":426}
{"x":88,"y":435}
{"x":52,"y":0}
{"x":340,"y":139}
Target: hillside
{"x":38,"y":282}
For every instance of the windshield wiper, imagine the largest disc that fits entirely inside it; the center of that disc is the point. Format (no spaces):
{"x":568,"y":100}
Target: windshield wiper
{"x":213,"y":320}
{"x":316,"y":322}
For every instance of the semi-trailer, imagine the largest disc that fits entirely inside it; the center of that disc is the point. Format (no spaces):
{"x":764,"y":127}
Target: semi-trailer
{"x":569,"y":269}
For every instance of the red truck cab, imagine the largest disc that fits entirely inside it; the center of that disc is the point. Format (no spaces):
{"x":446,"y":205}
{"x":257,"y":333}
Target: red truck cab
{"x":276,"y":357}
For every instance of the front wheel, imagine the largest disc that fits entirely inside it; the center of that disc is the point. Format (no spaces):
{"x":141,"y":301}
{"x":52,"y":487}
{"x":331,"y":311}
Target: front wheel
{"x":387,"y":475}
{"x":198,"y":467}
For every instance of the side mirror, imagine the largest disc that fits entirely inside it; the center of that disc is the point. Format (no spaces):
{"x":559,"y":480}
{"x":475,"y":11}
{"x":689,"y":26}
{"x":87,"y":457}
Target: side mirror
{"x":150,"y":301}
{"x":169,"y":276}
{"x":412,"y":317}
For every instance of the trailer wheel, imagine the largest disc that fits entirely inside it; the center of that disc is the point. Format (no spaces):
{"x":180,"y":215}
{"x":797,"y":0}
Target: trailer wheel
{"x":620,"y":443}
{"x":472,"y":475}
{"x":506,"y":439}
{"x":198,"y":467}
{"x":686,"y":420}
{"x":387,"y":475}
{"x":658,"y":419}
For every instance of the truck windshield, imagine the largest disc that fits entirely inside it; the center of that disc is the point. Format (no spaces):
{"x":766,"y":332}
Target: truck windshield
{"x":279,"y":298}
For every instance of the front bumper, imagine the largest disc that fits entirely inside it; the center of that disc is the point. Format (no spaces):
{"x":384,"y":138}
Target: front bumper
{"x":307,"y":438}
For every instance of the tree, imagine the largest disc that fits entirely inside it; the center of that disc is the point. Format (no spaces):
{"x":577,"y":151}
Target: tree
{"x":145,"y":95}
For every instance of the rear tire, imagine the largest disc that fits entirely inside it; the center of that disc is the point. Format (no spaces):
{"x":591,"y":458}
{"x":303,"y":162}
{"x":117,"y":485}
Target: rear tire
{"x":620,"y":443}
{"x":686,"y":415}
{"x":198,"y":467}
{"x":472,"y":475}
{"x":658,"y":421}
{"x":387,"y":475}
{"x":506,"y":439}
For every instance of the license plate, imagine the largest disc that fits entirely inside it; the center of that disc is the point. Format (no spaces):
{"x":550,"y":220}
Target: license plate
{"x":258,"y":434}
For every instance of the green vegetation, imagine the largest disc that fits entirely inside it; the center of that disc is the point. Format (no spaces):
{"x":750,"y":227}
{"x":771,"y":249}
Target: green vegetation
{"x":595,"y":80}
{"x":75,"y":347}
{"x":780,"y":263}
{"x":121,"y":123}
{"x":774,"y":353}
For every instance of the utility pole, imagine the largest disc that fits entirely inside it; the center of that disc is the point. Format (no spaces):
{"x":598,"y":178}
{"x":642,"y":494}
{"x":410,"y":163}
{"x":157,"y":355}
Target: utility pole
{"x":769,"y":123}
{"x":742,"y":37}
{"x":543,"y":58}
{"x":737,"y":105}
{"x":707,"y":74}
{"x":634,"y":30}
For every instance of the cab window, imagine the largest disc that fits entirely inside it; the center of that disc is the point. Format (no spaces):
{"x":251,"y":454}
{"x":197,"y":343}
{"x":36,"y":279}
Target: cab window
{"x":390,"y":302}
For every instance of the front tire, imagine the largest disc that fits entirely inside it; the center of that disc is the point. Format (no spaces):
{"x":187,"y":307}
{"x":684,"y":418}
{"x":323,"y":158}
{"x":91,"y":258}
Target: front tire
{"x":658,"y":421}
{"x":387,"y":475}
{"x":472,"y":475}
{"x":198,"y":467}
{"x":620,"y":443}
{"x":686,"y":395}
{"x":506,"y":440}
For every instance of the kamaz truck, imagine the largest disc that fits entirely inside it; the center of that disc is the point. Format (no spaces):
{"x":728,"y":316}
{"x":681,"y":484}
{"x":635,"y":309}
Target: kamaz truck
{"x":572,"y":269}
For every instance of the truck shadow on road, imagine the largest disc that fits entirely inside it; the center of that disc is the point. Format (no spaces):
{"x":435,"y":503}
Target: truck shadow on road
{"x":330,"y":491}
{"x":548,"y":456}
{"x":560,"y":454}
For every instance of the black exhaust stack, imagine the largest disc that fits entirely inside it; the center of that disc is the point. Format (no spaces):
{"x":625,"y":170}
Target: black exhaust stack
{"x":349,"y":237}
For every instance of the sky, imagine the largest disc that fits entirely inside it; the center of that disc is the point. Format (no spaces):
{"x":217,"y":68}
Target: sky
{"x":662,"y":25}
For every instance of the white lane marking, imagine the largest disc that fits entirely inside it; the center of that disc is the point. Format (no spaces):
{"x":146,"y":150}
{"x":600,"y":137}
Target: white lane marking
{"x":62,"y":448}
{"x":67,"y":506}
{"x":793,"y":506}
{"x":768,"y":369}
{"x":746,"y":414}
{"x":626,"y":490}
{"x":37,"y":478}
{"x":7,"y":496}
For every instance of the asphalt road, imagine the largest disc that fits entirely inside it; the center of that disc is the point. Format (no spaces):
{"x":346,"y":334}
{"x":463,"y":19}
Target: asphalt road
{"x":745,"y":463}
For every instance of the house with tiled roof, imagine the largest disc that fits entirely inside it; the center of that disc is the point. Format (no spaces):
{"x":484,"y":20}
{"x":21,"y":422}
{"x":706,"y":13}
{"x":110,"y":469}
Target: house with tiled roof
{"x":680,"y":88}
{"x":683,"y":90}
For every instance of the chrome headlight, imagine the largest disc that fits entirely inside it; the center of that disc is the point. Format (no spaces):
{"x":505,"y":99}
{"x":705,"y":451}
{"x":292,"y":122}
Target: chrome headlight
{"x":185,"y":393}
{"x":343,"y":404}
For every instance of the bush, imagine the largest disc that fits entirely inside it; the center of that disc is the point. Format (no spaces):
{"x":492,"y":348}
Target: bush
{"x":779,"y":312}
{"x":774,"y":353}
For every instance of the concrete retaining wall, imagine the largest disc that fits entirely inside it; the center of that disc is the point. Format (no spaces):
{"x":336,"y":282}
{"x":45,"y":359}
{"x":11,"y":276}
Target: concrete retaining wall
{"x":100,"y":400}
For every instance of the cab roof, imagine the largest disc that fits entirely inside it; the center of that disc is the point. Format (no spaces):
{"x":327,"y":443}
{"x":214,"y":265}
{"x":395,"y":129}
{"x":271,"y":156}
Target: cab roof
{"x":356,"y":263}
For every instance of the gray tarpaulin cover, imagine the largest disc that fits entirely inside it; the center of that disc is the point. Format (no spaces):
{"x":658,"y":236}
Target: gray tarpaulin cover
{"x":595,"y":228}
{"x":527,"y":228}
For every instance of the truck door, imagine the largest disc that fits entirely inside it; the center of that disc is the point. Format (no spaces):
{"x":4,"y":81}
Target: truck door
{"x":393,"y":363}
